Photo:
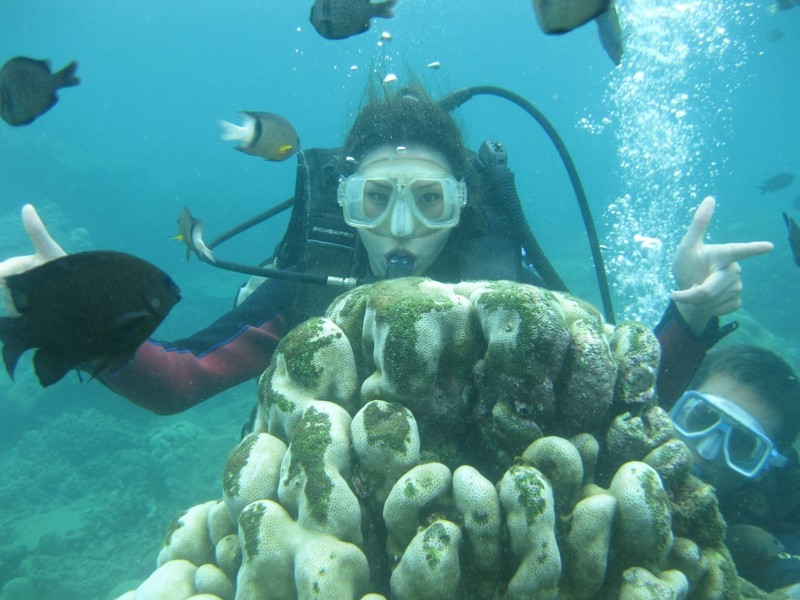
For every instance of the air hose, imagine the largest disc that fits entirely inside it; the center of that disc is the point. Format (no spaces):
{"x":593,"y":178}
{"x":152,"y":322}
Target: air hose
{"x":459,"y":97}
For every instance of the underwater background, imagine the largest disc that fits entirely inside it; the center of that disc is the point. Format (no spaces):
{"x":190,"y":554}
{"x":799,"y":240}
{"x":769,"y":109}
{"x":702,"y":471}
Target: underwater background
{"x":704,"y":102}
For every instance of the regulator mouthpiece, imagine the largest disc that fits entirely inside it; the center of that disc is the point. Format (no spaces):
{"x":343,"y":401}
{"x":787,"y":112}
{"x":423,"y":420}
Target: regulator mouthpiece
{"x":399,"y":266}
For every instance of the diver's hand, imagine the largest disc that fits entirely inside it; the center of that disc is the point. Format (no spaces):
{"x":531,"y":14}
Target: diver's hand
{"x":708,"y":275}
{"x":46,"y":249}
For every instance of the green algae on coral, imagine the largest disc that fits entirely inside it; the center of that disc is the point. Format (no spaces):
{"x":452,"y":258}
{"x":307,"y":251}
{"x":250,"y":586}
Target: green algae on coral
{"x":236,"y":462}
{"x":249,"y":522}
{"x":530,"y":492}
{"x":387,"y":426}
{"x":299,"y":349}
{"x":310,"y":441}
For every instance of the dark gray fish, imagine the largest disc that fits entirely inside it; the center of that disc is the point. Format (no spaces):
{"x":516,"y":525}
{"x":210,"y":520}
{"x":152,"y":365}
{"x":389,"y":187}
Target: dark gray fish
{"x":263,"y":134}
{"x":775,"y":35}
{"x":776,"y":182}
{"x":786,"y":4}
{"x":561,"y":16}
{"x":794,"y":237}
{"x":752,"y":547}
{"x":610,"y":31}
{"x":339,"y":19}
{"x":28,"y":88}
{"x":97,"y":306}
{"x":190,"y":232}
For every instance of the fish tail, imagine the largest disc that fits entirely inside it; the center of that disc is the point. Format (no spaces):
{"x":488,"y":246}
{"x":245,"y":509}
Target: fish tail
{"x":384,"y":10}
{"x":12,"y":347}
{"x":66,"y":77}
{"x":237,"y":133}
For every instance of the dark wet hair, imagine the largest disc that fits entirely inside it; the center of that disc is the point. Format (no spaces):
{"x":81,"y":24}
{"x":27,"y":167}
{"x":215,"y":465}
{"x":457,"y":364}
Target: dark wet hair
{"x":766,"y":374}
{"x":409,"y":117}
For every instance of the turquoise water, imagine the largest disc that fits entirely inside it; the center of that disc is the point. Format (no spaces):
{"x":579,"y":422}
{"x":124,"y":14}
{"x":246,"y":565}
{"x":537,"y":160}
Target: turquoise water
{"x":705,"y":102}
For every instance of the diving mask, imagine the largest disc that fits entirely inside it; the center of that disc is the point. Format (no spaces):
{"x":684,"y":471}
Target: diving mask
{"x":434,"y":200}
{"x":718,"y":430}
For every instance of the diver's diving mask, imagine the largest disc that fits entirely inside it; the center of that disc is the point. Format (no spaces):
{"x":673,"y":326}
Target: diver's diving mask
{"x":720,"y":430}
{"x":434,"y":200}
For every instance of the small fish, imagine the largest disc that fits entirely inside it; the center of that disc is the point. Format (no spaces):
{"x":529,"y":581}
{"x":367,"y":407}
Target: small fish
{"x":97,"y":306}
{"x":28,"y":88}
{"x":263,"y":134}
{"x":775,"y":35}
{"x":794,"y":237}
{"x":190,"y":232}
{"x":340,"y":19}
{"x":776,"y":182}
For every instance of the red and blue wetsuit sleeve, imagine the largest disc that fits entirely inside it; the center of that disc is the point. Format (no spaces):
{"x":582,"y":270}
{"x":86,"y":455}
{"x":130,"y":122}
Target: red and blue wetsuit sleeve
{"x":682,"y":351}
{"x":169,"y":377}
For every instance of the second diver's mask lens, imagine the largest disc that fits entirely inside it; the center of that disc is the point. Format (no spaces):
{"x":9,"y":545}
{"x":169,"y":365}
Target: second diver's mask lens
{"x":720,"y":430}
{"x":434,"y":200}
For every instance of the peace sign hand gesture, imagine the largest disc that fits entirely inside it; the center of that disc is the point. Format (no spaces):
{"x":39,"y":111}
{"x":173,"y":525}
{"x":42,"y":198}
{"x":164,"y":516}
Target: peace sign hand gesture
{"x":709,"y":275}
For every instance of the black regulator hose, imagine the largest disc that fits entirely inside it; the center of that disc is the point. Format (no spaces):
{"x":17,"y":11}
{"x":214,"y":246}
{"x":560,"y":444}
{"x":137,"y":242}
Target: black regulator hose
{"x":502,"y":180}
{"x":459,"y":97}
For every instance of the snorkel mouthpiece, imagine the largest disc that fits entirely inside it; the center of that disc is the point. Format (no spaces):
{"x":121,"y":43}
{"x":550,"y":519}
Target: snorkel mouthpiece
{"x":399,"y":265}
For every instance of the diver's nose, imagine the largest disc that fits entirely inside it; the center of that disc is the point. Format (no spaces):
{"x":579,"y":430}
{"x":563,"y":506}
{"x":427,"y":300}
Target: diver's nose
{"x":710,"y":447}
{"x":402,"y":223}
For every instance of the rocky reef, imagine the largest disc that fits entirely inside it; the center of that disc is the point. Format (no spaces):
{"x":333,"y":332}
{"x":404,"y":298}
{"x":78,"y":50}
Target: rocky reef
{"x":481,"y":440}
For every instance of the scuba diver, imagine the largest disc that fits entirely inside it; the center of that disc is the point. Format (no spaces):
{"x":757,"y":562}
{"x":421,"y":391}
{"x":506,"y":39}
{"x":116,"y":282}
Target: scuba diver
{"x":739,"y":420}
{"x":402,"y":197}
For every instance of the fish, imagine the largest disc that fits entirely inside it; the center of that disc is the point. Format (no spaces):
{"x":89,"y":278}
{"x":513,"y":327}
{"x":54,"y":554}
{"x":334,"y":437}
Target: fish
{"x":752,"y":547}
{"x":190,"y":232}
{"x":562,"y":16}
{"x":794,"y":237}
{"x":610,"y":31}
{"x":340,"y":19}
{"x":775,"y":35}
{"x":28,"y":88}
{"x":263,"y":134}
{"x":781,"y":5}
{"x":776,"y":182}
{"x":93,"y":307}
{"x":797,"y":202}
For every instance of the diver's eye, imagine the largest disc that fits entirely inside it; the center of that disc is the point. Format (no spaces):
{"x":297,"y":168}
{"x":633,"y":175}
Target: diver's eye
{"x":742,"y":446}
{"x":375,"y":197}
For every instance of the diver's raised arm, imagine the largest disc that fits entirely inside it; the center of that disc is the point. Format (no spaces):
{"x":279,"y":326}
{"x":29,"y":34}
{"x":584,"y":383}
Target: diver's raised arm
{"x":708,"y":275}
{"x":46,"y":249}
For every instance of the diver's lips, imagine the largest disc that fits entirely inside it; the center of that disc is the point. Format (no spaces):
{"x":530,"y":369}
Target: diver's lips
{"x":400,"y":252}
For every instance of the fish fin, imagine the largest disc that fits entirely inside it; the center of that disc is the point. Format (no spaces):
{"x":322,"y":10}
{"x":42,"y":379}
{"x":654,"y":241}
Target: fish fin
{"x":236,"y":133}
{"x":50,"y":367}
{"x":128,"y":325}
{"x":66,"y":77}
{"x":112,"y":363}
{"x":11,"y":354}
{"x":383,"y":10}
{"x":12,"y":348}
{"x":610,"y":30}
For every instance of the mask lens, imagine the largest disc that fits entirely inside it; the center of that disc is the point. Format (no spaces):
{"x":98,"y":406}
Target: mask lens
{"x":429,"y":199}
{"x":435,"y":201}
{"x":696,"y":416}
{"x":375,"y":199}
{"x":700,"y":417}
{"x":745,"y":449}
